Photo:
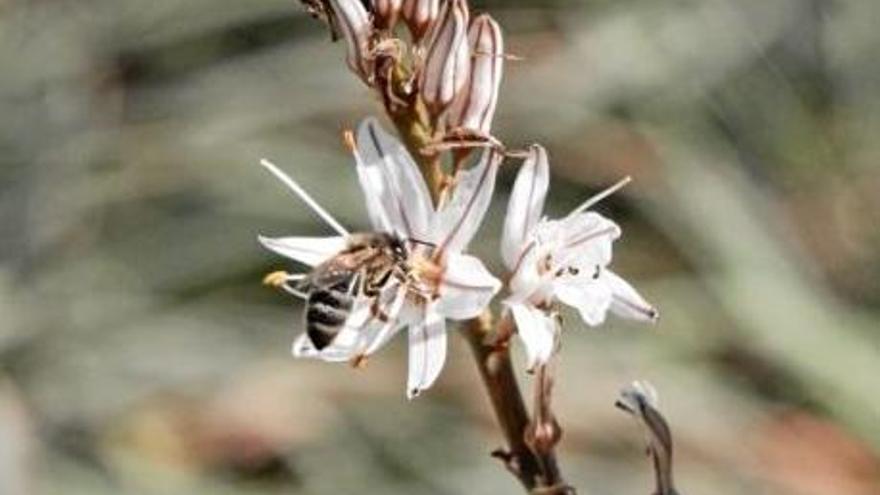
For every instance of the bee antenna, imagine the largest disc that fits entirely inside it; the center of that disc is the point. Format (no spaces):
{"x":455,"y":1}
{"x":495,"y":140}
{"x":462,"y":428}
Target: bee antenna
{"x":424,"y":243}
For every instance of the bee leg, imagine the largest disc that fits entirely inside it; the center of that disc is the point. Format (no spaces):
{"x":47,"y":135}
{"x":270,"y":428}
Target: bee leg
{"x":377,"y":312}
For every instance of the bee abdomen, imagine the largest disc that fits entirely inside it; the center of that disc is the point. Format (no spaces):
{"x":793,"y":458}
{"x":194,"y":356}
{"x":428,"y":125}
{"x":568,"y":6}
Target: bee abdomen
{"x":326,"y":312}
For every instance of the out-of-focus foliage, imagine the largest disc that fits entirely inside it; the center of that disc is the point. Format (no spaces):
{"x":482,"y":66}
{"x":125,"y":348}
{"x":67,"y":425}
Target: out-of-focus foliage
{"x":140,"y":354}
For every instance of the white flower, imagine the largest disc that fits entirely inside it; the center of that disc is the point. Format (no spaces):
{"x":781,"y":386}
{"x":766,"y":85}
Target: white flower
{"x":445,"y":282}
{"x":561,"y":260}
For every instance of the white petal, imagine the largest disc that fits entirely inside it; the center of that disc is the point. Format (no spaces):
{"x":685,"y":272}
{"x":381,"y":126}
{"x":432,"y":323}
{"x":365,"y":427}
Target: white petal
{"x":591,"y":297}
{"x":393,"y":179}
{"x":427,"y":353}
{"x":526,"y":283}
{"x":586,"y":241}
{"x":460,"y":218}
{"x":537,"y":331}
{"x":354,"y":22}
{"x":526,"y":204}
{"x":447,"y":59}
{"x":628,"y":303}
{"x":303,"y":348}
{"x":467,"y":287}
{"x":307,"y":250}
{"x":474,"y":107}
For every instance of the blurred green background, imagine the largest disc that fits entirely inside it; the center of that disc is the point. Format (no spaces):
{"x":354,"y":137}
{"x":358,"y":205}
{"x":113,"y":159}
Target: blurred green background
{"x":139,"y":353}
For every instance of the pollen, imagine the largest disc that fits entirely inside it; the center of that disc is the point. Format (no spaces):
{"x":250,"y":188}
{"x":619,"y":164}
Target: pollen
{"x":276,"y":279}
{"x":426,"y":270}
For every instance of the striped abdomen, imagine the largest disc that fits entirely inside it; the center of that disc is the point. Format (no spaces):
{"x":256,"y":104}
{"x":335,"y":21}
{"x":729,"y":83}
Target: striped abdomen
{"x":326,"y":312}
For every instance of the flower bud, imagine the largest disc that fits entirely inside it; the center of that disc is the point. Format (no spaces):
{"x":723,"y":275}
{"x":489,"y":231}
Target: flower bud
{"x":385,"y":13}
{"x":448,"y":58}
{"x":475,"y":106}
{"x":353,"y":22}
{"x":420,"y":16}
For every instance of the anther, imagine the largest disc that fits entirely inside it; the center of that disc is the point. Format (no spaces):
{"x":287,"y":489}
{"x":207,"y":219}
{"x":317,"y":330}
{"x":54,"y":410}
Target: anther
{"x":276,"y":279}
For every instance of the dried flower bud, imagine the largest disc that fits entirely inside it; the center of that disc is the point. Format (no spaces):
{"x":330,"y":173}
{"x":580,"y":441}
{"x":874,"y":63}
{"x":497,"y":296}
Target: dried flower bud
{"x":475,"y":106}
{"x":448,"y":60}
{"x":385,"y":13}
{"x":353,"y":22}
{"x":420,"y":16}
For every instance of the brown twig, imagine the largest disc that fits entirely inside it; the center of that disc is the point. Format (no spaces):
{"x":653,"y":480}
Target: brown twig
{"x":536,"y":469}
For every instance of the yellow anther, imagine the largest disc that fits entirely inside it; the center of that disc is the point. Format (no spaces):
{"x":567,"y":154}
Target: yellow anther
{"x":276,"y":279}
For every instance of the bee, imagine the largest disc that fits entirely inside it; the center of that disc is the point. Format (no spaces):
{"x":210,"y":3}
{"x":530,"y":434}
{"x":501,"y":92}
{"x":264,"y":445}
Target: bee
{"x":368,"y":263}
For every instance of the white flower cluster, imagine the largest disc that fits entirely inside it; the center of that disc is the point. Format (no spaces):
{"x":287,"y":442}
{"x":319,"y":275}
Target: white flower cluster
{"x":450,"y":63}
{"x":456,"y":78}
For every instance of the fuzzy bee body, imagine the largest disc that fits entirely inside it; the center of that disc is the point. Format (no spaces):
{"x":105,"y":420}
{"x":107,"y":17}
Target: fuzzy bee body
{"x":368,"y":263}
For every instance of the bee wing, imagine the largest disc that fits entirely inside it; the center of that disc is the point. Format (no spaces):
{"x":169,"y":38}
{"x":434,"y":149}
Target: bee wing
{"x":341,"y":268}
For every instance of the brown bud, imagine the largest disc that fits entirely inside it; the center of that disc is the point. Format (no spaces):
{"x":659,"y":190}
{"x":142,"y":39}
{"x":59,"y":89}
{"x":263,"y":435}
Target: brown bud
{"x":420,"y":16}
{"x":386,"y":13}
{"x":447,"y":61}
{"x":353,"y":22}
{"x":474,"y":108}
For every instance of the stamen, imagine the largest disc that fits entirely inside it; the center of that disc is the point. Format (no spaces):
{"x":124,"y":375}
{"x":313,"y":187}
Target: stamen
{"x":304,"y":196}
{"x":600,"y":196}
{"x":293,"y":291}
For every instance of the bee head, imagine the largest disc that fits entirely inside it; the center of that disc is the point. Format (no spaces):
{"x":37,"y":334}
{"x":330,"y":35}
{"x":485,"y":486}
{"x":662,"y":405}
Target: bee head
{"x":398,"y":248}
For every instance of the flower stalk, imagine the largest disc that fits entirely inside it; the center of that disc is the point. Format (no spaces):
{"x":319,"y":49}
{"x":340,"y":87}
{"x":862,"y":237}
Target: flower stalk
{"x":536,"y":469}
{"x":426,"y":198}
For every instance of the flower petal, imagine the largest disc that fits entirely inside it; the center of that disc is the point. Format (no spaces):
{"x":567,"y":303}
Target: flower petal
{"x":303,"y":348}
{"x":307,"y":250}
{"x":537,"y":331}
{"x":475,"y":106}
{"x":420,"y":16}
{"x":467,"y":287}
{"x":385,"y":13}
{"x":354,"y":22}
{"x":393,"y":179}
{"x":427,"y":353}
{"x":627,"y":302}
{"x":585,"y":241}
{"x":459,"y":220}
{"x":448,"y":58}
{"x":591,"y":297}
{"x":525,"y":205}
